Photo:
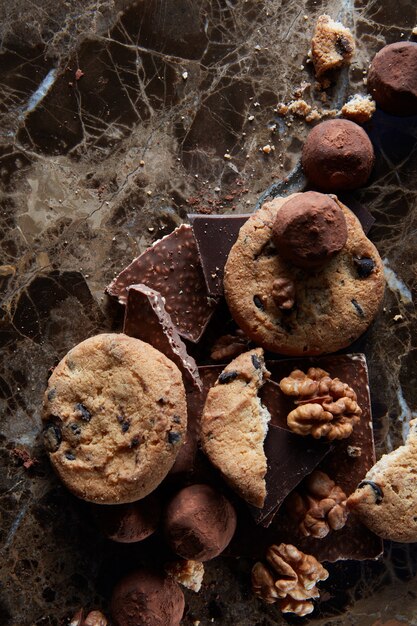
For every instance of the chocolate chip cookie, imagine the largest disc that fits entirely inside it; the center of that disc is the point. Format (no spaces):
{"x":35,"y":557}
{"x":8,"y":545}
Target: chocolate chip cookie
{"x":234,"y":425}
{"x":386,"y":500}
{"x":116,"y":415}
{"x":295,"y":311}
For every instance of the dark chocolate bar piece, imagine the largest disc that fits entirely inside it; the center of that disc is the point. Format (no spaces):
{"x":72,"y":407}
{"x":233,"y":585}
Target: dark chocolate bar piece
{"x":215,"y":235}
{"x":147,"y":319}
{"x":290,"y":459}
{"x":172,"y":267}
{"x":346,"y":464}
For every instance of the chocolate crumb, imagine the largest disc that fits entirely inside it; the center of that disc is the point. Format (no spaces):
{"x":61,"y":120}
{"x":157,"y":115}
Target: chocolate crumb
{"x":135,"y":441}
{"x":379,"y":494}
{"x":364,"y":267}
{"x":258,"y":303}
{"x":70,"y":456}
{"x":358,"y":308}
{"x":85,"y":413}
{"x":125,"y":426}
{"x":227,"y":377}
{"x":176,"y":419}
{"x":51,"y":394}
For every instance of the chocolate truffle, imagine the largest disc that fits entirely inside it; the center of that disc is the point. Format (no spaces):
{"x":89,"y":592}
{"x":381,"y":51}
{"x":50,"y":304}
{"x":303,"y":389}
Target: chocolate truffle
{"x":392,"y":78}
{"x":309,"y":229}
{"x":337,"y":155}
{"x":199,"y":523}
{"x":147,"y":598}
{"x":127,"y":523}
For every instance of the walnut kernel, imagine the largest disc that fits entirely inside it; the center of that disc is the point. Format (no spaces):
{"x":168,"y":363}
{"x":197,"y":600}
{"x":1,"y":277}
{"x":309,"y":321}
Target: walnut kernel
{"x":319,"y":506}
{"x":291,"y":578}
{"x":327,"y":407}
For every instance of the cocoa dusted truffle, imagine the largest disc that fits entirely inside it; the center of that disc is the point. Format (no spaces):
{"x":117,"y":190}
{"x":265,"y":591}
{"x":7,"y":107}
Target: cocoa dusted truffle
{"x":309,"y":229}
{"x":128,"y":523}
{"x":199,"y":523}
{"x":337,"y":155}
{"x":392,"y":78}
{"x":147,"y":598}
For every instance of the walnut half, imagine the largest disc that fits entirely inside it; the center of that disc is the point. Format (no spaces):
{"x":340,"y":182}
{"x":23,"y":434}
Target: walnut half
{"x":327,"y":407}
{"x":290,"y":577}
{"x":319,"y":506}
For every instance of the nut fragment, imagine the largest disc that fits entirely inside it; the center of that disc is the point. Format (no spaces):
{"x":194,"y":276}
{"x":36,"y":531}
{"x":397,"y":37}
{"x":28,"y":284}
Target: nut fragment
{"x":290,"y":577}
{"x":319,"y":506}
{"x":283,"y":293}
{"x":229,"y":346}
{"x":187,"y":573}
{"x":95,"y":618}
{"x":327,"y":407}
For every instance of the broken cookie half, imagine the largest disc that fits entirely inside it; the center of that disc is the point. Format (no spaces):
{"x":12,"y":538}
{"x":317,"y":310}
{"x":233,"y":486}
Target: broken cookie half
{"x":234,"y":425}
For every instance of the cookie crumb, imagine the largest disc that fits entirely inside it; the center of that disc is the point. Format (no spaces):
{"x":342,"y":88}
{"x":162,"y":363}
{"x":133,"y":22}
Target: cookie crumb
{"x":359,"y":109}
{"x":332,"y":45}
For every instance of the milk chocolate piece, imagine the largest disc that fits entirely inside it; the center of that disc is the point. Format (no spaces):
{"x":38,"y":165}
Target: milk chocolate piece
{"x":147,"y":319}
{"x":215,"y":235}
{"x":354,"y":541}
{"x":171,"y":266}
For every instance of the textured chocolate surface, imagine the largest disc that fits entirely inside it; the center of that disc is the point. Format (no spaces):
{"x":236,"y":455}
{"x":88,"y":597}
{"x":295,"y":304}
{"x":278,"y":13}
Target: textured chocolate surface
{"x":172,"y":267}
{"x":147,"y":319}
{"x":392,"y":78}
{"x":309,"y":230}
{"x":215,"y":235}
{"x":337,"y":155}
{"x":199,"y":522}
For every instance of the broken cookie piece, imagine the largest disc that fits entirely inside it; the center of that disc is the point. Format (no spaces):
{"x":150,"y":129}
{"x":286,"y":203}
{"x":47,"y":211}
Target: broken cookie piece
{"x":171,"y":266}
{"x":234,"y":425}
{"x":386,"y":500}
{"x":332,"y":45}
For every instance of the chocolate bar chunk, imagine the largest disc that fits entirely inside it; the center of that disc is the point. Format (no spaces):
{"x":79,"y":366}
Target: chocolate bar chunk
{"x":147,"y":319}
{"x":215,"y":235}
{"x":290,"y":459}
{"x":172,"y":267}
{"x":346,"y":463}
{"x":366,"y":218}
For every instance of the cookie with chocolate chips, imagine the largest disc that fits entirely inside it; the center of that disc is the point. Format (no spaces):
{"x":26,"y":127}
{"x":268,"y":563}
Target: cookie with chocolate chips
{"x":115,"y":418}
{"x":234,"y":425}
{"x":295,"y":308}
{"x":386,"y":500}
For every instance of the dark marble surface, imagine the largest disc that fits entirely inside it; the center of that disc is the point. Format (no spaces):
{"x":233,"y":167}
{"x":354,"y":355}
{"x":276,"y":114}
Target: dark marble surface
{"x":92,"y":170}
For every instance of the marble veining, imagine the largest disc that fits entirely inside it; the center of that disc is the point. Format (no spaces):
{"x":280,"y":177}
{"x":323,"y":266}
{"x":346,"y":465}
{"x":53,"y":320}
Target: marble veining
{"x":116,"y":120}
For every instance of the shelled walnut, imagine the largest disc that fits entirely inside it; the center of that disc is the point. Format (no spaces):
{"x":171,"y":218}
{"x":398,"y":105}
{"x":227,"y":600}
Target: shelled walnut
{"x":289,"y":577}
{"x":318,"y":505}
{"x":327,"y":407}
